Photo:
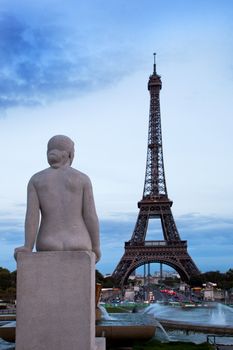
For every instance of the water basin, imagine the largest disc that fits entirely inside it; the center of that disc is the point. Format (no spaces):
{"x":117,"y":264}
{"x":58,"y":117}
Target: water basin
{"x":215,"y":315}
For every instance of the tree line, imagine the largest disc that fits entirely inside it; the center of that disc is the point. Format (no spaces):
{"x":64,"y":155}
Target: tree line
{"x":223,"y":280}
{"x":7,"y":285}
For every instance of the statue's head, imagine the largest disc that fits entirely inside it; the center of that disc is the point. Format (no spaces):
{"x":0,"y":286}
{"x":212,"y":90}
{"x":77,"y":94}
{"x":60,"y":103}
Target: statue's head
{"x":60,"y":150}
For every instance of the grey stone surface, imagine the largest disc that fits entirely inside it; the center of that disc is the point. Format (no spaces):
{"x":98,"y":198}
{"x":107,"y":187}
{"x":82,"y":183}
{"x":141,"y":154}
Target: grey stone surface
{"x":61,"y":213}
{"x":100,"y":343}
{"x":55,"y":301}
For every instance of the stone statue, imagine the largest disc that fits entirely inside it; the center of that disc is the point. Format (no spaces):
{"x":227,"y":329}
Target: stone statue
{"x":61,"y":213}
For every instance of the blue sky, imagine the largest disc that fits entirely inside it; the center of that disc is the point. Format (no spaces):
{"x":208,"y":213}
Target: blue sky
{"x":81,"y":69}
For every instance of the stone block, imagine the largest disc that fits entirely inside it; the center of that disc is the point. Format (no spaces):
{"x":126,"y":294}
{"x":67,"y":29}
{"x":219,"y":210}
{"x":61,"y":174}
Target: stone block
{"x":100,"y":343}
{"x":55,"y":301}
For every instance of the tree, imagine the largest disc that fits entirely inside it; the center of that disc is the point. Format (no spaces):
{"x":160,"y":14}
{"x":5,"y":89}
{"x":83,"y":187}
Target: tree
{"x":99,"y":277}
{"x":5,"y":279}
{"x":13,"y":278}
{"x":223,"y":280}
{"x":10,"y":294}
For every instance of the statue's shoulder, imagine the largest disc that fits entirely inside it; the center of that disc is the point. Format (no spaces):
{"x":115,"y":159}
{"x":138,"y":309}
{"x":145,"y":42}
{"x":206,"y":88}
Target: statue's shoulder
{"x":38,"y":176}
{"x":80,"y":176}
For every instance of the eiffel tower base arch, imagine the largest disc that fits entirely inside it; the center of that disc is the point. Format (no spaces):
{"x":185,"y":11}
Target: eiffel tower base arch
{"x":173,"y":254}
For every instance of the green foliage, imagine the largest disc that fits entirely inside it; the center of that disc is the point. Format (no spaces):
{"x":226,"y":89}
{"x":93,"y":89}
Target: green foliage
{"x":106,"y":282}
{"x":123,"y":308}
{"x":8,"y":295}
{"x":99,"y":277}
{"x":7,"y":284}
{"x":5,"y":279}
{"x":13,"y":278}
{"x":118,"y":309}
{"x":171,"y":281}
{"x":223,"y":280}
{"x":197,"y":281}
{"x":229,"y":274}
{"x":109,"y":282}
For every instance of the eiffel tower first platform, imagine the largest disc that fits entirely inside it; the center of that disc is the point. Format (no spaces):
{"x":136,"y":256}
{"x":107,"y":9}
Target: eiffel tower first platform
{"x":155,"y":204}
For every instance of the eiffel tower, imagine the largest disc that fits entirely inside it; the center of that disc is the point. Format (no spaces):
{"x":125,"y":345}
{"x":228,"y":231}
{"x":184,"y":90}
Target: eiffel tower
{"x":155,"y":204}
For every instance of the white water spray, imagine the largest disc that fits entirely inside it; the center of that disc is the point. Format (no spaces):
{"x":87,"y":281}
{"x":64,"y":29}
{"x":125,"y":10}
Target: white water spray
{"x":218,"y":315}
{"x":158,"y":324}
{"x":104,"y":314}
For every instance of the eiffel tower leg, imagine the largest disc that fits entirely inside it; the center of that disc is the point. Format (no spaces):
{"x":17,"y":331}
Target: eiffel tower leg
{"x":169,"y":227}
{"x":189,"y":266}
{"x":131,"y":259}
{"x":121,"y":270}
{"x":140,"y":229}
{"x":171,"y":234}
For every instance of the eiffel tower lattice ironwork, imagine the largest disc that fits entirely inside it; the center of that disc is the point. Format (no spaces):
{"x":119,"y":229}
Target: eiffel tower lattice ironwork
{"x":155,"y":204}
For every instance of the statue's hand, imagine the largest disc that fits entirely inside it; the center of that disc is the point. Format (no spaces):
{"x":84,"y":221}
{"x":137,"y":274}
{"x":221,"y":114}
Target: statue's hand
{"x":97,"y":254}
{"x":21,"y":249}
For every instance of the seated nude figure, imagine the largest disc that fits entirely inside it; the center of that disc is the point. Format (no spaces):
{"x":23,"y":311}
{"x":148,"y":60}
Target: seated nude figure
{"x":61,"y":213}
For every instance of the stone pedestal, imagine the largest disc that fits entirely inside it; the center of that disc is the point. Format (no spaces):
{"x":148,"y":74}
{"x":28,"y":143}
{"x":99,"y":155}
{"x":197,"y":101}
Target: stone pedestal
{"x":55,"y":301}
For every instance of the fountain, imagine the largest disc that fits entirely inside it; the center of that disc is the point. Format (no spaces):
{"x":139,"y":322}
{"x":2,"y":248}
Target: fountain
{"x":170,"y":324}
{"x":125,"y":328}
{"x":122,"y":329}
{"x":163,"y":331}
{"x":212,"y":315}
{"x":7,"y":332}
{"x":192,"y":324}
{"x":104,"y":314}
{"x":221,"y":315}
{"x":117,"y":329}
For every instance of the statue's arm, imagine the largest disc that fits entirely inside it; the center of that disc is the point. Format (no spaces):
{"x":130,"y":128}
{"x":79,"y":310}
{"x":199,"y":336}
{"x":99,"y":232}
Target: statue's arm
{"x":32,"y":216}
{"x":91,"y":219}
{"x":31,"y":220}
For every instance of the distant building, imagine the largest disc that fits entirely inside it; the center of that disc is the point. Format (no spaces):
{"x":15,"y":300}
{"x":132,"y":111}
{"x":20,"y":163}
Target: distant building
{"x":110,"y":294}
{"x":183,"y":286}
{"x":129,"y":295}
{"x":212,"y":293}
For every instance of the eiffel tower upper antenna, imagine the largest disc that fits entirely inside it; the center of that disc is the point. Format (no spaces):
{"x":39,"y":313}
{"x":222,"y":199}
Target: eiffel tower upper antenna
{"x":154,"y":70}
